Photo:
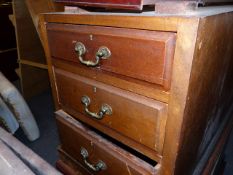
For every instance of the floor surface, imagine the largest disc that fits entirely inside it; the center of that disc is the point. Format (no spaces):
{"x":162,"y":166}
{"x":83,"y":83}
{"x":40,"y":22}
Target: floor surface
{"x":46,"y":146}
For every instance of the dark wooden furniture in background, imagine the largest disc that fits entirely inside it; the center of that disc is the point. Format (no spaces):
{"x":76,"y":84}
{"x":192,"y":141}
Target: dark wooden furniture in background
{"x":32,"y":62}
{"x":122,"y":4}
{"x":41,"y":6}
{"x":138,"y":4}
{"x":8,"y":51}
{"x":144,"y":126}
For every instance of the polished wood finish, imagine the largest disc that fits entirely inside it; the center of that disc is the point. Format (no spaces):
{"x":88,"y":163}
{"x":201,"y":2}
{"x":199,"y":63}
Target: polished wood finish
{"x":122,"y":4}
{"x":145,"y":55}
{"x":167,"y":23}
{"x":201,"y":88}
{"x":128,"y":116}
{"x":70,"y":164}
{"x":211,"y":80}
{"x":177,"y":6}
{"x":139,"y":87}
{"x":117,"y":160}
{"x":182,"y":65}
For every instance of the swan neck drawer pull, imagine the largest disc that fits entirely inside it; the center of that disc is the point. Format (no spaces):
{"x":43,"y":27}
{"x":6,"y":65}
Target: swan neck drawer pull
{"x":98,"y":167}
{"x":105,"y":108}
{"x":102,"y":53}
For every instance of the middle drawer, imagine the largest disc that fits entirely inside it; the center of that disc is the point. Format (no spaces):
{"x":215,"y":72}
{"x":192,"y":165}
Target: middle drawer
{"x":121,"y":114}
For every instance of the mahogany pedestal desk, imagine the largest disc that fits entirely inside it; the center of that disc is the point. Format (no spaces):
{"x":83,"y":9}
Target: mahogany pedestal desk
{"x":141,"y":93}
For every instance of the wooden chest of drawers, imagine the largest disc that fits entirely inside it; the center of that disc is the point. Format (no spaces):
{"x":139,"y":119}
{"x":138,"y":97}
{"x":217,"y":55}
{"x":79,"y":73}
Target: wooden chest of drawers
{"x":140,"y":94}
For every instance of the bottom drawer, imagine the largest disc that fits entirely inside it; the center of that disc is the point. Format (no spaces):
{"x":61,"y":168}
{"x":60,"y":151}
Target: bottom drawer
{"x":68,"y":166}
{"x":96,"y":153}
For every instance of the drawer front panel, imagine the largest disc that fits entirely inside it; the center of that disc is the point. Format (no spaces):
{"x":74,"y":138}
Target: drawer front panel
{"x":140,"y":54}
{"x":131,"y":113}
{"x":76,"y":138}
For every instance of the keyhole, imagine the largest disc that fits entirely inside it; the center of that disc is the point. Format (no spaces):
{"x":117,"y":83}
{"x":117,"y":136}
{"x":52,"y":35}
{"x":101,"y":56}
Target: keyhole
{"x":95,"y":89}
{"x":91,"y":37}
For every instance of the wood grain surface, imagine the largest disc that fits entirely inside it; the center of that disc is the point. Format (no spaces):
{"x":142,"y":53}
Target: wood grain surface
{"x":210,"y":89}
{"x":131,"y":113}
{"x":140,"y":54}
{"x":119,"y":4}
{"x":117,"y":160}
{"x":201,"y":81}
{"x":136,"y":86}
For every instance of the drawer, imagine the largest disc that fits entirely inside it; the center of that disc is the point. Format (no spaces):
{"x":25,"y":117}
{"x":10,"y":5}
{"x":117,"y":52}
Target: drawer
{"x":96,"y":153}
{"x":68,"y":165}
{"x":139,"y":54}
{"x":128,"y":116}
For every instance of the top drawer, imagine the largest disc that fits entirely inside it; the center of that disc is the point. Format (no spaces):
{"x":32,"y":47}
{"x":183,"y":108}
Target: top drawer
{"x":140,"y":54}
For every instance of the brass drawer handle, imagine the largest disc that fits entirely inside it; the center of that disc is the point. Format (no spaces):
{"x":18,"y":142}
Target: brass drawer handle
{"x":102,"y":53}
{"x":98,"y":167}
{"x":105,"y":108}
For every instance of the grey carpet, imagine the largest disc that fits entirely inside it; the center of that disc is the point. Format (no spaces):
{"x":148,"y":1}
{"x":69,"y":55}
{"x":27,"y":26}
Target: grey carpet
{"x":46,"y":146}
{"x":228,"y":154}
